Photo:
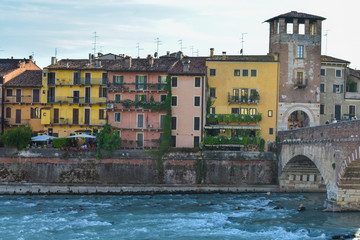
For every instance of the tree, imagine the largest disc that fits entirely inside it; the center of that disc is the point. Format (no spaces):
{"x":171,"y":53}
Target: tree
{"x":108,"y":140}
{"x":17,"y":137}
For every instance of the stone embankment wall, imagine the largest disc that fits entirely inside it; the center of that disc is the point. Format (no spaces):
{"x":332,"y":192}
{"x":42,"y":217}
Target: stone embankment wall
{"x":137,"y":167}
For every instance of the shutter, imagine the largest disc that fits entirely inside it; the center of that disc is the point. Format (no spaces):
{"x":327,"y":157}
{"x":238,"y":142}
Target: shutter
{"x":159,"y":82}
{"x":136,"y":82}
{"x":145,"y":81}
{"x":341,"y":88}
{"x":136,"y":98}
{"x":334,"y":88}
{"x":114,"y":79}
{"x":100,"y":91}
{"x":121,"y":79}
{"x":144,"y":98}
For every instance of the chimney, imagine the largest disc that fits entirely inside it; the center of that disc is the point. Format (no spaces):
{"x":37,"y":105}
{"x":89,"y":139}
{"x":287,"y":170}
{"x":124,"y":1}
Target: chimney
{"x":179,"y":55}
{"x":186,"y":65}
{"x":30,"y":58}
{"x":53,"y":60}
{"x":211,"y":52}
{"x":12,"y":57}
{"x":150,"y":59}
{"x":223,"y":55}
{"x":100,"y":54}
{"x":168,"y":53}
{"x":90,"y":58}
{"x":128,"y":62}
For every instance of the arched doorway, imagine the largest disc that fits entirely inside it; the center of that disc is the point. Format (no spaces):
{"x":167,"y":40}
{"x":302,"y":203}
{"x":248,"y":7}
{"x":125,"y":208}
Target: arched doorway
{"x":298,"y":119}
{"x":301,"y":174}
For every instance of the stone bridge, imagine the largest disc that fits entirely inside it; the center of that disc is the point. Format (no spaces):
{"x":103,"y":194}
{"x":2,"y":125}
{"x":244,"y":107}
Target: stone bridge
{"x":323,"y":158}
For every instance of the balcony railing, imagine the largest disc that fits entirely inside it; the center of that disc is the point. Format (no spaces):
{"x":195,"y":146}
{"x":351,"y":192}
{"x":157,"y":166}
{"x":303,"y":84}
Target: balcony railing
{"x":76,"y":100}
{"x":232,"y":118}
{"x":138,"y":86}
{"x":242,"y":99}
{"x":300,"y":83}
{"x":23,"y":99}
{"x":81,"y":121}
{"x":79,"y":81}
{"x":18,"y":122}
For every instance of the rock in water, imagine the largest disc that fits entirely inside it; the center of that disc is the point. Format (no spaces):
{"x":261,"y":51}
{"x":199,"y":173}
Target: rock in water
{"x":301,"y":208}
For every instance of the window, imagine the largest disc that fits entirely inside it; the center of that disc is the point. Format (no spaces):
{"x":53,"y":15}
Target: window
{"x":140,"y":82}
{"x":235,"y":110}
{"x":140,"y":98}
{"x":270,"y":113}
{"x":252,"y":111}
{"x":245,"y":72}
{"x":117,"y":117}
{"x":102,"y":92}
{"x":139,"y":140}
{"x":8,"y":112}
{"x":212,"y":110}
{"x":197,"y":101}
{"x":76,"y":96}
{"x":140,"y":120}
{"x":36,"y":95}
{"x":162,"y":82}
{"x":87,"y":78}
{"x":173,"y":123}
{"x":338,"y":73}
{"x":212,"y":72}
{"x":173,"y":141}
{"x":352,"y":110}
{"x":9,"y":92}
{"x":196,"y":141}
{"x":117,"y":98}
{"x":244,"y":94}
{"x":244,"y":111}
{"x":322,"y":72}
{"x":253,"y":72}
{"x":300,"y":51}
{"x":271,"y":131}
{"x":102,"y":114}
{"x":213,"y":92}
{"x":51,"y":78}
{"x":237,"y":72}
{"x":196,"y":123}
{"x":289,"y":28}
{"x":337,"y":88}
{"x":118,"y":79}
{"x":299,"y":77}
{"x":162,"y":121}
{"x":322,"y":108}
{"x":104,"y":78}
{"x":35,"y":113}
{"x":173,"y":100}
{"x":76,"y":78}
{"x":163,"y":98}
{"x":174,"y":82}
{"x":197,"y":82}
{"x":322,"y":87}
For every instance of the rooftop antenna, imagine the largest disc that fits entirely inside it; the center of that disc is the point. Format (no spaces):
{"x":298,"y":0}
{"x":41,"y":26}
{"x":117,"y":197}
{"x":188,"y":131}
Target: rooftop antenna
{"x":192,"y":50}
{"x":101,"y":49}
{"x":55,"y":52}
{"x":326,"y":38}
{"x":242,"y":43}
{"x":197,"y":52}
{"x":138,"y":48}
{"x":95,"y":37}
{"x":158,"y":42}
{"x":181,"y":47}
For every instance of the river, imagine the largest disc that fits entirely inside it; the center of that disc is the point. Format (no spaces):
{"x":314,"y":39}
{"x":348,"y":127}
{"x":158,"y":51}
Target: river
{"x":188,"y":216}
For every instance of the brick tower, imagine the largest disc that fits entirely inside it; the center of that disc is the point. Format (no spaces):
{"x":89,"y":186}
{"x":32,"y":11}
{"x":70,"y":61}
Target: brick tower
{"x":296,"y":38}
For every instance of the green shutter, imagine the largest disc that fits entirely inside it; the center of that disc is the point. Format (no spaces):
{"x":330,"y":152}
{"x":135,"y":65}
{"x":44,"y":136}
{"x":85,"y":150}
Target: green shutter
{"x":341,"y":88}
{"x":145,"y":81}
{"x":114,"y":79}
{"x":136,"y":82}
{"x":334,"y":88}
{"x":121,"y":79}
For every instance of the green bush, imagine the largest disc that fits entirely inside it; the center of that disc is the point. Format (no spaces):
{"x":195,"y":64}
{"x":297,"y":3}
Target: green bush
{"x":17,"y":137}
{"x":60,"y":142}
{"x":108,"y":140}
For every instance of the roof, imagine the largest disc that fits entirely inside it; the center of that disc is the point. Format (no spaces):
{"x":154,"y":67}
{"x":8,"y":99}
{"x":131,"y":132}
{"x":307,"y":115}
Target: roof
{"x":354,"y":72}
{"x":8,"y":65}
{"x":29,"y":78}
{"x":325,"y":58}
{"x":197,"y":66}
{"x":243,"y":58}
{"x":299,"y":15}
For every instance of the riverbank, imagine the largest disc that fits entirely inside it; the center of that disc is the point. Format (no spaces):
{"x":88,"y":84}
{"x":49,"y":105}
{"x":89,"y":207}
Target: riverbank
{"x":45,"y":188}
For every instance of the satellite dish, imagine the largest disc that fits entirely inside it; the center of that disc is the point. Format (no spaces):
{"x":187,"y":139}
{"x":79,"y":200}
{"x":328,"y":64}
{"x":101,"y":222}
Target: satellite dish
{"x":155,"y":54}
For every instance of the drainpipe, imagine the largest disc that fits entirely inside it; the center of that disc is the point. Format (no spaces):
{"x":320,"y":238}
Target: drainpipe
{"x":2,"y":109}
{"x":202,"y":110}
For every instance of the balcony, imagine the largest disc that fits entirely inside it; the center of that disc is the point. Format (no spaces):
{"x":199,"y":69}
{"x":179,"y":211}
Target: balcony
{"x":253,"y":99}
{"x":150,"y":105}
{"x":17,"y":122}
{"x":242,"y":143}
{"x":81,"y":122}
{"x":78,"y":82}
{"x":133,"y":126}
{"x":352,"y":95}
{"x":21,"y":100}
{"x":76,"y":100}
{"x":300,"y":83}
{"x":137,"y":86}
{"x":232,"y":119}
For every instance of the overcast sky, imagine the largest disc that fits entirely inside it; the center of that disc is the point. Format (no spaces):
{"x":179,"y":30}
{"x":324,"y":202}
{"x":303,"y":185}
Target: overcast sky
{"x":38,"y":27}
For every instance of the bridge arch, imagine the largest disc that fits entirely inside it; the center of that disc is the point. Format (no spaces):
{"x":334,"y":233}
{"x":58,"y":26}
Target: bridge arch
{"x":297,"y":108}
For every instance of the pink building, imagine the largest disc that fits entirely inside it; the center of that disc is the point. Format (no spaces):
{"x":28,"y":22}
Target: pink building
{"x":136,"y":99}
{"x":188,"y":87}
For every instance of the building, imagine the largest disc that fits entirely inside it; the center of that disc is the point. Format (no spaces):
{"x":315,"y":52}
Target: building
{"x":136,"y":99}
{"x":243,"y":93}
{"x":22,"y":100}
{"x":334,"y":75}
{"x":10,"y":68}
{"x":296,"y":38}
{"x":74,"y":95}
{"x":188,"y":101}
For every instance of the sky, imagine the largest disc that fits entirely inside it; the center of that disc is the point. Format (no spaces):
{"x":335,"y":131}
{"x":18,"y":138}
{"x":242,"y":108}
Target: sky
{"x":66,"y":28}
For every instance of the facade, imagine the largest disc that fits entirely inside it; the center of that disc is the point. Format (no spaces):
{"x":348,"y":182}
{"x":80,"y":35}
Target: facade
{"x":74,"y":95}
{"x":243,"y":92}
{"x":22,"y":101}
{"x":296,"y":38}
{"x":136,"y":99}
{"x":188,"y":101}
{"x":352,"y":94}
{"x":10,"y":68}
{"x":334,"y":74}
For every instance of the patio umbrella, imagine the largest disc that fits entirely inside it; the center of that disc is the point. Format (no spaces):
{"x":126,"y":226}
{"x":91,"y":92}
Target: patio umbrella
{"x":82,"y":136}
{"x":42,"y":138}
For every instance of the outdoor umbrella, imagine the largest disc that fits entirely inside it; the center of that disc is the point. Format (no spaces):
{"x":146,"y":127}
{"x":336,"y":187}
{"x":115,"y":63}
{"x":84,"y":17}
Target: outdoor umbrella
{"x":42,"y":138}
{"x":82,"y":136}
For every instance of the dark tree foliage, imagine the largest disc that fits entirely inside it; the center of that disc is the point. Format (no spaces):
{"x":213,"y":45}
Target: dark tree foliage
{"x":108,"y":140}
{"x":17,"y":137}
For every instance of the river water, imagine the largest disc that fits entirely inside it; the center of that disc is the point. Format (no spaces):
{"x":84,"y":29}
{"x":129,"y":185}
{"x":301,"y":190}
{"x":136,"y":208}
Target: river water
{"x":193,"y":216}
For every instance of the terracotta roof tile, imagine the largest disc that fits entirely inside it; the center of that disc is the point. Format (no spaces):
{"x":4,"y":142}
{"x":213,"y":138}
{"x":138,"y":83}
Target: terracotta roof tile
{"x":241,"y":58}
{"x":325,"y":58}
{"x":196,"y":66}
{"x":29,"y":78}
{"x":294,"y":14}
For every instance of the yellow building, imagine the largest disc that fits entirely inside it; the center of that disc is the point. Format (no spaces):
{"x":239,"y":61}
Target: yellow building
{"x":22,"y":101}
{"x":74,"y":94}
{"x":243,"y":91}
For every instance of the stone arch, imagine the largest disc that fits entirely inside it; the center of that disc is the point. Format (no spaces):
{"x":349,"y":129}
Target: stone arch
{"x":301,"y":173}
{"x":308,"y":113}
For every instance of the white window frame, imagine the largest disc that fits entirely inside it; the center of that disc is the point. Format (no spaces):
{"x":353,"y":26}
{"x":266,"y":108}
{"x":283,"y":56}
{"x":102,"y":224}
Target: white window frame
{"x":195,"y":101}
{"x":117,"y":114}
{"x":195,"y":82}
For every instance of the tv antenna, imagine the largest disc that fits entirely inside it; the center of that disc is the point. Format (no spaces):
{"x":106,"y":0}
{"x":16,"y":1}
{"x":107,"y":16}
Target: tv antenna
{"x":192,"y":50}
{"x":197,"y":52}
{"x":326,"y":39}
{"x":181,"y":47}
{"x":242,"y":43}
{"x":158,"y":42}
{"x":95,"y":37}
{"x":138,"y":48}
{"x":55,"y":52}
